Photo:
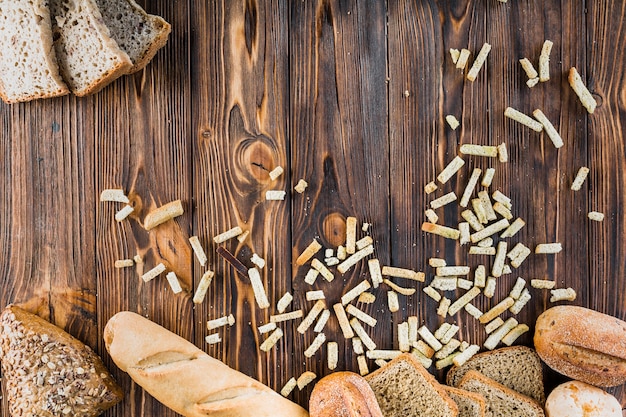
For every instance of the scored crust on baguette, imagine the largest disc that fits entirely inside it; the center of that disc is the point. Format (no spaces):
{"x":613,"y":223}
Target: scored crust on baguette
{"x":583,"y":344}
{"x":47,"y":372}
{"x":28,"y":68}
{"x":88,"y":57}
{"x":404,"y":388}
{"x":185,"y":378}
{"x":501,"y":401}
{"x":137,"y":33}
{"x":517,"y":367}
{"x":470,"y":404}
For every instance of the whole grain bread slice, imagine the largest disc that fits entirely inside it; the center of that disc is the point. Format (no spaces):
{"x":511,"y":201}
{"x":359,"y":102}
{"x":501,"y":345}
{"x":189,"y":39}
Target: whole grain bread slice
{"x":88,"y":57}
{"x":47,"y":372}
{"x":138,"y":33}
{"x":517,"y":367}
{"x":404,"y":388}
{"x":501,"y":401}
{"x":28,"y":64}
{"x":470,"y":404}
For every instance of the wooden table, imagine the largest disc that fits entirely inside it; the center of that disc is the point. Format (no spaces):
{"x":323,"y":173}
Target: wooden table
{"x":350,"y":96}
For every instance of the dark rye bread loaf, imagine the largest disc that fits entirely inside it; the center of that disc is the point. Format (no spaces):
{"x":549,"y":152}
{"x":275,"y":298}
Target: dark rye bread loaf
{"x":28,"y":64}
{"x":137,"y":33}
{"x":517,"y":367}
{"x":501,"y":401}
{"x":404,"y":388}
{"x":46,"y":372}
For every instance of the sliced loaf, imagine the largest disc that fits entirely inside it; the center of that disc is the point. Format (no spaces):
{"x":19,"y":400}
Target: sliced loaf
{"x":138,"y":33}
{"x":517,"y":367}
{"x":88,"y":57}
{"x":404,"y":388}
{"x":28,"y":65}
{"x":501,"y":401}
{"x":470,"y":404}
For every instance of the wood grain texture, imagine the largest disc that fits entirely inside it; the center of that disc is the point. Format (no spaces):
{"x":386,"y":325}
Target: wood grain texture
{"x":350,"y":96}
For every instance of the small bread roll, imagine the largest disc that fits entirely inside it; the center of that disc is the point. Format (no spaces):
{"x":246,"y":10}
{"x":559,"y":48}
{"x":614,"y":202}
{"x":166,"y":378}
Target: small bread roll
{"x":343,"y":394}
{"x":577,"y":399}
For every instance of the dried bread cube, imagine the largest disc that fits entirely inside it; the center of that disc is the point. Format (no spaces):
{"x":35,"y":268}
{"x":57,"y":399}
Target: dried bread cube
{"x":29,"y":67}
{"x":549,"y":127}
{"x":452,"y":121}
{"x":479,"y":61}
{"x":581,"y":90}
{"x":544,"y":61}
{"x":88,"y":57}
{"x":136,"y":32}
{"x":581,"y":175}
{"x":163,"y":214}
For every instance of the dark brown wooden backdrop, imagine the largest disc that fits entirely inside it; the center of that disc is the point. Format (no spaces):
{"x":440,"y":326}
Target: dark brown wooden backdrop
{"x":350,"y":96}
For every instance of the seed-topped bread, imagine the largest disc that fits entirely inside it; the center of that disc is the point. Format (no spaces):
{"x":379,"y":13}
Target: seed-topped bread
{"x":138,"y":33}
{"x":404,"y":388}
{"x":28,"y":64}
{"x":501,"y":401}
{"x":470,"y":404}
{"x":46,"y":372}
{"x":517,"y":367}
{"x":88,"y":57}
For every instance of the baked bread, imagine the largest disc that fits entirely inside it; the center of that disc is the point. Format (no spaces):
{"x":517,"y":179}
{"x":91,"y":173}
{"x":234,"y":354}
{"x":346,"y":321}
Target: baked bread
{"x":577,"y":399}
{"x":583,"y":344}
{"x":88,"y":57}
{"x":501,"y":401}
{"x":517,"y":367}
{"x":343,"y":394}
{"x":46,"y":372}
{"x":470,"y":404}
{"x":404,"y":388}
{"x":137,"y":33}
{"x":183,"y":377}
{"x":28,"y":64}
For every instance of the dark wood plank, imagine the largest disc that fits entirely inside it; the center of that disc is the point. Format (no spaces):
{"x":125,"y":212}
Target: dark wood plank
{"x":141,"y":133}
{"x":603,"y":74}
{"x":240,"y":115}
{"x":339,"y":146}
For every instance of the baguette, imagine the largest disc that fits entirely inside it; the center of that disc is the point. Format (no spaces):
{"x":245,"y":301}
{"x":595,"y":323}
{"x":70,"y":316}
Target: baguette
{"x":583,"y":344}
{"x":183,"y":377}
{"x":343,"y":394}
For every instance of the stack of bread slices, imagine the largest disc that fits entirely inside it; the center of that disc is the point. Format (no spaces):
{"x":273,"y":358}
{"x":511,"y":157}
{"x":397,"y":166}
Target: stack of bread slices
{"x":54,"y":47}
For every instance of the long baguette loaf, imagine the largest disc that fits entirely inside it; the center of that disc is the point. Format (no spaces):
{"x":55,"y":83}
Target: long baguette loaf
{"x":583,"y":344}
{"x":183,"y":377}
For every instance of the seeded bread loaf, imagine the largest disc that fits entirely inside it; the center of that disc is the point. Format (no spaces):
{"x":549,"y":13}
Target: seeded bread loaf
{"x":28,"y":64}
{"x":88,"y":57}
{"x":501,"y":401}
{"x":137,"y":33}
{"x":404,"y":388}
{"x":516,"y":367}
{"x":343,"y":394}
{"x":46,"y":372}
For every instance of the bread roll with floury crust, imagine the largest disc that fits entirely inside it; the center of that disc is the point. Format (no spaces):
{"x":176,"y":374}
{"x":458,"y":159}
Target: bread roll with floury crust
{"x":583,"y":344}
{"x":577,"y":399}
{"x":184,"y":378}
{"x":343,"y":394}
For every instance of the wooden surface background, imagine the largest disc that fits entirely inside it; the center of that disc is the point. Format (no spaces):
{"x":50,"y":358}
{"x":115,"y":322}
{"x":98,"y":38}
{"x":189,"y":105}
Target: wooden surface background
{"x":350,"y":96}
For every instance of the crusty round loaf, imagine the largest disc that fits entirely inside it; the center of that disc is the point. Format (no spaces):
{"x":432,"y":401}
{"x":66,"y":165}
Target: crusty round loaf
{"x":343,"y":394}
{"x":583,"y":344}
{"x":577,"y":399}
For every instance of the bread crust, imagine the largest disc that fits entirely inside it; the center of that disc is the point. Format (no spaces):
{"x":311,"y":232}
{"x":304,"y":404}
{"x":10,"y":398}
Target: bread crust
{"x":583,"y":344}
{"x":343,"y":394}
{"x":183,"y":377}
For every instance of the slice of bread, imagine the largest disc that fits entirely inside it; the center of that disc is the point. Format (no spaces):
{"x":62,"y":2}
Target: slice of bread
{"x":404,"y":388}
{"x":88,"y":57}
{"x":47,"y":372}
{"x":138,"y":33}
{"x":501,"y":401}
{"x":517,"y":367}
{"x":28,"y":65}
{"x":470,"y":404}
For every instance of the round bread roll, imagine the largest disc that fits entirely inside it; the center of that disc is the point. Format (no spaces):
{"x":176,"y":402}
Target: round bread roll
{"x":577,"y":399}
{"x":343,"y":394}
{"x":583,"y":344}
